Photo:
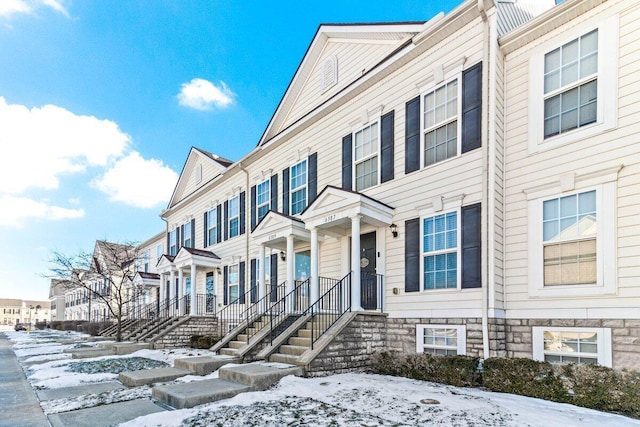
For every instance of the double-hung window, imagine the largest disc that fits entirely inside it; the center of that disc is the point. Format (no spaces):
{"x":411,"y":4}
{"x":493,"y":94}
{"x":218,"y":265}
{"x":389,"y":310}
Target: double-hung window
{"x":173,"y":242}
{"x":188,"y":243}
{"x":263,"y":199}
{"x":572,"y":345}
{"x":569,"y":239}
{"x":366,"y":156}
{"x":571,"y":85}
{"x":298,"y":187}
{"x":440,"y":123}
{"x":212,"y":226}
{"x":444,"y":340}
{"x":234,"y":283}
{"x":159,"y":251}
{"x":440,"y":254}
{"x":146,"y":257}
{"x":234,"y":217}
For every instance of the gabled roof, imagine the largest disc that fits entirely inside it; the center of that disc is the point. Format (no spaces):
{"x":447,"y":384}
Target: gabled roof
{"x":394,"y":35}
{"x":219,"y":165}
{"x":200,"y":252}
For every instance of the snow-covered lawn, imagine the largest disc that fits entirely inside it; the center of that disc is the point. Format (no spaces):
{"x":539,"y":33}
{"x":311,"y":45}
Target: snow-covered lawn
{"x":339,"y":400}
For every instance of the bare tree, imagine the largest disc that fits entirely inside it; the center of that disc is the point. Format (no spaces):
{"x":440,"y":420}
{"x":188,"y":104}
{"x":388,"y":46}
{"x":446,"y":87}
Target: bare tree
{"x":104,"y":275}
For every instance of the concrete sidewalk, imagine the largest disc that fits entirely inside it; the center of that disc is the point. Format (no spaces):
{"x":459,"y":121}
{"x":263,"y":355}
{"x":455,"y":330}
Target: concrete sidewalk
{"x":19,"y":406}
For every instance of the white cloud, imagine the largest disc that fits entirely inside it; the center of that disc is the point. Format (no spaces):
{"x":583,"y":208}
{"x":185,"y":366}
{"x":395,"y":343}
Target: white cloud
{"x":50,"y":141}
{"x":11,"y":7}
{"x":136,"y":181}
{"x":16,"y":210}
{"x":201,"y":94}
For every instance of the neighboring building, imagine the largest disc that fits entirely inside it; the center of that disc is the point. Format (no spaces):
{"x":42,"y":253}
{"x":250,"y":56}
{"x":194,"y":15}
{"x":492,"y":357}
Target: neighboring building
{"x":475,"y":177}
{"x":145,"y":282}
{"x":57,"y":299}
{"x":15,"y":311}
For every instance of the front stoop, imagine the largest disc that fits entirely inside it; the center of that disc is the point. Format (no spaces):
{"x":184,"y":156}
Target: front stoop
{"x":86,"y":353}
{"x":204,"y":365}
{"x":151,"y":376}
{"x":232,"y":381}
{"x":131,"y":347}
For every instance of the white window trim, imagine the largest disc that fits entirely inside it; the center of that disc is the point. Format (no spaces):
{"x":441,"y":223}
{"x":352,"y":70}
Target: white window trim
{"x":603,"y":342}
{"x":606,"y":247}
{"x":268,"y":203}
{"x":212,"y":225}
{"x":461,"y":336}
{"x":235,"y":284}
{"x":378,"y":152}
{"x":305,"y":186}
{"x":458,"y":251}
{"x":173,"y":242}
{"x":607,"y":76}
{"x":233,"y":217}
{"x":456,"y":74}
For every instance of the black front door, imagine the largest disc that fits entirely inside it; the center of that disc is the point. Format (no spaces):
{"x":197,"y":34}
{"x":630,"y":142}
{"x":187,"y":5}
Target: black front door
{"x":368,"y":277}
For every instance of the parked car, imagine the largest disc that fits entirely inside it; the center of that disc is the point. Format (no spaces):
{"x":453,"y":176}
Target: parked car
{"x":20,"y":327}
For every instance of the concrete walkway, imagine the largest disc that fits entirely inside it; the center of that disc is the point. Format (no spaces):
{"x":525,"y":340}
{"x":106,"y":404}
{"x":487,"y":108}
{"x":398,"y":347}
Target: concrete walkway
{"x":19,"y":406}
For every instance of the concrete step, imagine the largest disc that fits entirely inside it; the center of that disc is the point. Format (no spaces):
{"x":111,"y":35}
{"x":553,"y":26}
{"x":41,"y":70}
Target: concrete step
{"x":85,"y":353}
{"x":293,"y":349}
{"x":131,"y":347}
{"x":151,"y":376}
{"x":105,"y":415}
{"x":205,"y":365}
{"x":259,"y":375}
{"x":228,"y":352}
{"x":188,"y":395}
{"x":300,"y":341}
{"x":242,"y":337}
{"x":77,"y":391}
{"x":237,"y":344}
{"x":304,"y":333}
{"x":283,"y":358}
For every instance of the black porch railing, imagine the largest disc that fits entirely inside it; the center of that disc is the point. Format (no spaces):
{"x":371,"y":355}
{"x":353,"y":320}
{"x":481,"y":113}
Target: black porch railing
{"x":294,"y":302}
{"x":329,"y":308}
{"x":233,"y":314}
{"x":205,"y":304}
{"x":263,"y":307}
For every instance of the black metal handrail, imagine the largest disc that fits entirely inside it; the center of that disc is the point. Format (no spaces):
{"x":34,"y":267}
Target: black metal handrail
{"x":263,"y":307}
{"x":205,"y":304}
{"x":233,"y":314}
{"x":168,"y":308}
{"x":294,"y":300}
{"x":329,"y":308}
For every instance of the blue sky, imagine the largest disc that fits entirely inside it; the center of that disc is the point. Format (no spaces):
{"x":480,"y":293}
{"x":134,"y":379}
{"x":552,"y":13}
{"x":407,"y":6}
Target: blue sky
{"x":100,"y":102}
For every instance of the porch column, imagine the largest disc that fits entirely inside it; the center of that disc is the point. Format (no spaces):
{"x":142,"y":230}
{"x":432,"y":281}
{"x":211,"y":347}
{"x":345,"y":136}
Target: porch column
{"x":355,"y":263}
{"x":262,"y":291}
{"x":315,"y":279}
{"x":290,"y":269}
{"x":181,"y":306}
{"x":193,"y":290}
{"x":162,"y":287}
{"x":172,"y":279}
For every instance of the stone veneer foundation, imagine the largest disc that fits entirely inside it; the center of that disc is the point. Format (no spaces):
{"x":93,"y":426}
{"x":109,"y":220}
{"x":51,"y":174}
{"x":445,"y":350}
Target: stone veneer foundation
{"x":180,"y":335}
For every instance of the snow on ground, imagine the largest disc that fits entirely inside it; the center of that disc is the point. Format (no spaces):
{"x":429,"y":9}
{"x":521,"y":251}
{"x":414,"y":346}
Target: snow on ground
{"x":376,"y":400}
{"x":339,"y":400}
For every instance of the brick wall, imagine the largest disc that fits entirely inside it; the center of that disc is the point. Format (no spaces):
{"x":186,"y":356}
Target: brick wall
{"x":352,"y":348}
{"x":625,"y":337}
{"x":180,"y":335}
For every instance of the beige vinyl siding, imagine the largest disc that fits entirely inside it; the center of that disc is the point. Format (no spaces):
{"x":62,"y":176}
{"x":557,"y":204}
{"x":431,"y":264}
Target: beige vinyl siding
{"x":151,"y":246}
{"x":609,"y":149}
{"x":353,"y":58}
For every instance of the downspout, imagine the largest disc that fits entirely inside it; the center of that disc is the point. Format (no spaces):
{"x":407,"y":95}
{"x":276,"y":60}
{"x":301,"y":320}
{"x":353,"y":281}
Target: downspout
{"x":247,"y":225}
{"x":488,"y":71}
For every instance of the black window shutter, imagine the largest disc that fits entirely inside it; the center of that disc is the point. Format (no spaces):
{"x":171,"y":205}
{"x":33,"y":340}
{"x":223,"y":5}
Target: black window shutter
{"x":472,"y":108}
{"x":386,"y":146}
{"x":219,"y":225}
{"x":168,"y":251}
{"x":205,"y":235}
{"x":274,"y":193}
{"x":347,"y":159}
{"x":243,"y":210}
{"x":273,"y":278}
{"x":178,"y":238}
{"x":226,"y":220}
{"x":412,"y":136}
{"x":312,"y":183}
{"x":225,"y":287}
{"x":241,"y":290}
{"x":253,"y":283}
{"x":193,"y":232}
{"x":412,"y":255}
{"x":285,"y":191}
{"x":253,"y":207}
{"x":471,"y":246}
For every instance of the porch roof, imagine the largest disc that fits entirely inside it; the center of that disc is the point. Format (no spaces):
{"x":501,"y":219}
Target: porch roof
{"x":273,"y":229}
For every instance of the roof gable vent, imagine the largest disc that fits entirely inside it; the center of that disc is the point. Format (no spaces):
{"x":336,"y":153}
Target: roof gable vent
{"x":329,"y":72}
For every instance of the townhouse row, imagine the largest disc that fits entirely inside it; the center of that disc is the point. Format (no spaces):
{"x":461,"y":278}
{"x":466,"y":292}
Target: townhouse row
{"x":477,"y":176}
